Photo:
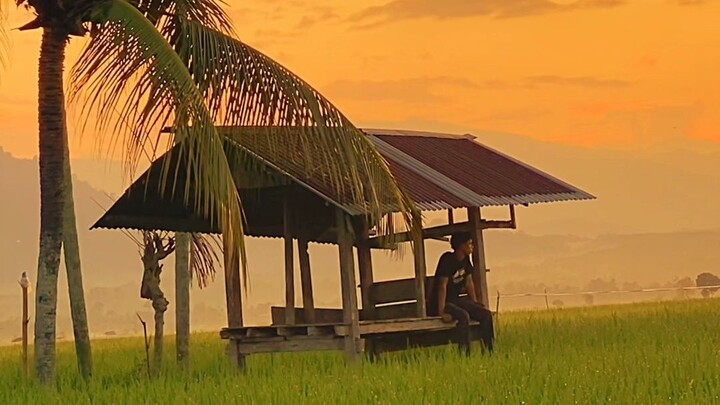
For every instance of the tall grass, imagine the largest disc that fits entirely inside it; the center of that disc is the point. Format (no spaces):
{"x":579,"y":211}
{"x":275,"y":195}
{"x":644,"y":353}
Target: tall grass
{"x":641,"y":354}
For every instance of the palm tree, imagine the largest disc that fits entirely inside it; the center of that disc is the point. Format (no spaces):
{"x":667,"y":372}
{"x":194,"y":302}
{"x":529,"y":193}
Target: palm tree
{"x":152,"y":62}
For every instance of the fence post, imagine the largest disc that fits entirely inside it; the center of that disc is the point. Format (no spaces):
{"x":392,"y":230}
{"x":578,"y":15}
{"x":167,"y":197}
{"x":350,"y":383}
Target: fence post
{"x":547,"y":304}
{"x":24,"y":284}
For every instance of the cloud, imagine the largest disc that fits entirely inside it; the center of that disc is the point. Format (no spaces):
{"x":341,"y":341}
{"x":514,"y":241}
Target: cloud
{"x":579,"y":81}
{"x":425,"y":90}
{"x":412,"y":90}
{"x":317,"y":15}
{"x":450,"y":9}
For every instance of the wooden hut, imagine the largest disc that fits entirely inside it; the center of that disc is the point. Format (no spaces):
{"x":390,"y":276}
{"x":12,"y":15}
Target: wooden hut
{"x":438,"y":171}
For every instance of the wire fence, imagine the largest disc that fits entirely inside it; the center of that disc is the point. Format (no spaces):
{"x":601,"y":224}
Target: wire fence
{"x":547,"y":294}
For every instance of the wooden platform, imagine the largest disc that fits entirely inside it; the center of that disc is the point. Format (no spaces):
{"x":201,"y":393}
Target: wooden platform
{"x":330,"y":336}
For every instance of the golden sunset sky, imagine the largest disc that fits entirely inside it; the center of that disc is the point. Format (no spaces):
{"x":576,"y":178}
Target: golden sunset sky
{"x":596,"y":73}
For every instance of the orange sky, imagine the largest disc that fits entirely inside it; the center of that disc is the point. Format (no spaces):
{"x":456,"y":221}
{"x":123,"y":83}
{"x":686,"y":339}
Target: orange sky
{"x":599,"y":73}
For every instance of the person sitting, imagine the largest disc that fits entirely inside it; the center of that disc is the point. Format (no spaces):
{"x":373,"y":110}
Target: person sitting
{"x":452,"y":276}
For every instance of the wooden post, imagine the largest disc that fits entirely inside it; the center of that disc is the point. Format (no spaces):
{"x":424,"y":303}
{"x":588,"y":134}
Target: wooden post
{"x":420,"y":272}
{"x":233,"y":297}
{"x":289,"y":264}
{"x":353,"y":345}
{"x":547,"y":303}
{"x":306,"y":280}
{"x":480,"y":274}
{"x":451,"y":219}
{"x":24,"y":284}
{"x":365,"y":268}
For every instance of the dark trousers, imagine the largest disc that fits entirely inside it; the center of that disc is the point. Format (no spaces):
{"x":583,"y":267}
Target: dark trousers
{"x":463,"y":310}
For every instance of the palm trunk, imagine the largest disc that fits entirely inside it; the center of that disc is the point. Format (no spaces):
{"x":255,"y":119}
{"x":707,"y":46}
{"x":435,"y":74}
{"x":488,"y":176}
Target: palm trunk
{"x":182,"y":297}
{"x":160,"y":305}
{"x":51,"y":120}
{"x":71,"y":251}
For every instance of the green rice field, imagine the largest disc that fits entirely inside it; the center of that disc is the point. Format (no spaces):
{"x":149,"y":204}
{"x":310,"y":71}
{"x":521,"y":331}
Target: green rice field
{"x":633,"y":354}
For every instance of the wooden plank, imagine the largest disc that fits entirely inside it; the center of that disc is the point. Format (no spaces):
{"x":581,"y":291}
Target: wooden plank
{"x":365,"y":268}
{"x":382,"y":242}
{"x":289,"y":263}
{"x":420,"y":273}
{"x":261,"y":331}
{"x":480,"y":274}
{"x":321,"y":330}
{"x":399,"y":325}
{"x":393,"y":291}
{"x":397,"y":311}
{"x":306,"y":281}
{"x":291,"y":345}
{"x":292,"y":331}
{"x":233,"y":294}
{"x":322,"y":316}
{"x":348,"y":283}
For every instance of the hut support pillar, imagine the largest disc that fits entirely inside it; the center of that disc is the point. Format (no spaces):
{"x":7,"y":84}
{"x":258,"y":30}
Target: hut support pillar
{"x":289,"y":266}
{"x":306,"y":281}
{"x":420,"y":272}
{"x":480,"y":274}
{"x":233,"y":296}
{"x":353,"y":344}
{"x":365,"y":268}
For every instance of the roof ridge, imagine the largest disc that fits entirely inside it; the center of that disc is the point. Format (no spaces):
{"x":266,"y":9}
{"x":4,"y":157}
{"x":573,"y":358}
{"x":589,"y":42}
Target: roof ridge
{"x":410,"y":132}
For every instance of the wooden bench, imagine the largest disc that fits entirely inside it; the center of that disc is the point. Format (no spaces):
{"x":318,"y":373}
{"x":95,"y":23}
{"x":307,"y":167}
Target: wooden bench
{"x":393,"y":324}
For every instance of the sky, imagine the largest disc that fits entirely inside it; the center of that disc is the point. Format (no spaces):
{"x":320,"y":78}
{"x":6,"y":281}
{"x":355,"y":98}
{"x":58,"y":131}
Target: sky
{"x":594,"y":73}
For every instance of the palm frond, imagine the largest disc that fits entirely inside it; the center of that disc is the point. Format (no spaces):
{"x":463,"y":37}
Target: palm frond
{"x":204,"y":258}
{"x":4,"y":39}
{"x":131,"y":79}
{"x":243,"y":87}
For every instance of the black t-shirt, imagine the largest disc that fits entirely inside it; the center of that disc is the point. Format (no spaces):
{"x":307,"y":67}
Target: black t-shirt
{"x":456,"y":271}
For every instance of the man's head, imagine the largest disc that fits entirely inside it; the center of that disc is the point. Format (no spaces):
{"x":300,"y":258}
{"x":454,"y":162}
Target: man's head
{"x":462,"y":242}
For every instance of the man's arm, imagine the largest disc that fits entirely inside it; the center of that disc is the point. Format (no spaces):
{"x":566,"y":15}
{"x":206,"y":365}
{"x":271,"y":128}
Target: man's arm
{"x":442,"y":293}
{"x":470,"y":287}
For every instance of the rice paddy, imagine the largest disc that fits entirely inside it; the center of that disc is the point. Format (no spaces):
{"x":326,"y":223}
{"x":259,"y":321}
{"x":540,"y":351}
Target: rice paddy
{"x":666,"y":352}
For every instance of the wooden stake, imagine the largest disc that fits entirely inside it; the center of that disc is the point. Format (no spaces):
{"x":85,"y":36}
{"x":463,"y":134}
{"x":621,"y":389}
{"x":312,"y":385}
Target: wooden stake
{"x":547,"y":304}
{"x":24,"y":284}
{"x":306,"y":281}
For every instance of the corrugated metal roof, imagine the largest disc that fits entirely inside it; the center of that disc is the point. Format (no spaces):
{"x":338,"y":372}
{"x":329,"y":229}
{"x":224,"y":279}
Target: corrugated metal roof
{"x":452,"y":171}
{"x":438,"y":171}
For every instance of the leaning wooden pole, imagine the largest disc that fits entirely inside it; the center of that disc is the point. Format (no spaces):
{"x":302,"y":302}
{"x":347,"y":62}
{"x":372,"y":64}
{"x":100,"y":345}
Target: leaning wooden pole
{"x":480,"y":274}
{"x":233,"y":296}
{"x":420,"y":272}
{"x":306,"y":281}
{"x":24,"y":284}
{"x":353,"y":344}
{"x":365,"y":268}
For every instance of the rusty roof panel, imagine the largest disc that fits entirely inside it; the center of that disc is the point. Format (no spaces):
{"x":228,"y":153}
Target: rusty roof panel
{"x":467,"y":170}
